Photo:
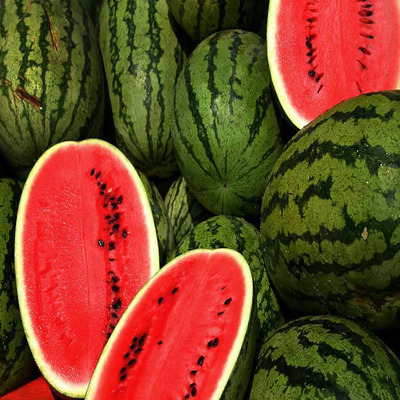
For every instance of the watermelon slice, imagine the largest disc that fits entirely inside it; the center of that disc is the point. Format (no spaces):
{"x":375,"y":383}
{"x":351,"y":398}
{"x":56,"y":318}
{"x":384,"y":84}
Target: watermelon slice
{"x":182,"y":335}
{"x":321,"y":53}
{"x":85,"y":244}
{"x":35,"y":390}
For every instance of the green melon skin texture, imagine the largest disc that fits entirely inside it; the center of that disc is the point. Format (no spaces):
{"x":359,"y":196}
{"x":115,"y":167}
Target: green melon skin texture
{"x":142,"y":59}
{"x":325,"y":358}
{"x":331,"y":214}
{"x":237,"y":234}
{"x":165,"y":233}
{"x":226,"y":134}
{"x":200,"y":18}
{"x":51,"y":82}
{"x":16,"y":363}
{"x":184,"y":211}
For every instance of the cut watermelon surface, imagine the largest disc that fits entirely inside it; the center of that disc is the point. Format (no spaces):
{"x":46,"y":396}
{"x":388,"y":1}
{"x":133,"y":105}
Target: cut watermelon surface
{"x":321,"y":53}
{"x":181,"y":336}
{"x":35,"y":390}
{"x":85,"y":245}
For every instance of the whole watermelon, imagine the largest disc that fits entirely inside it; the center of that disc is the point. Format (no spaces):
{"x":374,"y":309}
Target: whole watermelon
{"x":325,"y":358}
{"x":226,"y":135}
{"x":16,"y":362}
{"x":237,"y":234}
{"x":331,"y":213}
{"x":51,"y":83}
{"x":142,"y":59}
{"x":200,"y":18}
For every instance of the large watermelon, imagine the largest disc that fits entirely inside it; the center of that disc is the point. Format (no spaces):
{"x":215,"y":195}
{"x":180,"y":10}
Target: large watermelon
{"x":184,"y":211}
{"x":85,"y":244}
{"x":331,"y":213}
{"x":51,"y":82}
{"x":185,"y":335}
{"x":237,"y":234}
{"x":226,"y":134}
{"x":200,"y":18}
{"x":16,"y":362}
{"x":142,"y":59}
{"x":325,"y":358}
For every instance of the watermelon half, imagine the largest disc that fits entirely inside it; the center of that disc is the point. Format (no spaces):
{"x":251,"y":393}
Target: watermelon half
{"x":182,"y":335}
{"x":85,"y":245}
{"x":321,"y":53}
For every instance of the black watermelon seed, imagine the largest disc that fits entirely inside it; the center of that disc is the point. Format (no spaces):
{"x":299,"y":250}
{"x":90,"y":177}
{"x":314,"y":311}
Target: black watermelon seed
{"x":101,"y":193}
{"x":193,"y":384}
{"x":221,"y":312}
{"x":160,"y":342}
{"x":228,"y":301}
{"x":132,"y":346}
{"x":117,"y":304}
{"x":119,"y":200}
{"x":103,"y":186}
{"x":107,"y":217}
{"x":123,"y":377}
{"x":92,"y":171}
{"x":175,"y":290}
{"x":110,"y":222}
{"x":132,"y":362}
{"x":137,"y":351}
{"x":111,"y":272}
{"x":194,"y":372}
{"x":113,"y":205}
{"x":115,"y":279}
{"x":200,"y":360}
{"x":311,"y":73}
{"x":116,"y":216}
{"x":112,"y":198}
{"x":126,"y":355}
{"x":111,"y":259}
{"x":122,"y":370}
{"x":98,"y":175}
{"x":210,"y":343}
{"x":98,"y":183}
{"x":308,"y":44}
{"x":111,"y":245}
{"x":101,"y":242}
{"x":223,"y":288}
{"x":112,"y":326}
{"x":114,"y":315}
{"x":115,"y":288}
{"x":142,"y":339}
{"x":160,"y":300}
{"x":124,"y":233}
{"x":193,"y":391}
{"x":135,"y":339}
{"x":215,"y":342}
{"x":108,"y":334}
{"x":187,"y":396}
{"x":115,"y":227}
{"x":105,"y":206}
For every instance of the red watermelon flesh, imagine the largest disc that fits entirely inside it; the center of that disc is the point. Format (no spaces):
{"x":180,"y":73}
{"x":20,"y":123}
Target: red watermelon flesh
{"x":181,"y":335}
{"x":35,"y":390}
{"x":323,"y":52}
{"x":85,"y":245}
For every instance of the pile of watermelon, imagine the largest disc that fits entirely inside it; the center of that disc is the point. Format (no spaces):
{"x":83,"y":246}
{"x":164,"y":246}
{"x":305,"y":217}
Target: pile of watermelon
{"x":199,"y":199}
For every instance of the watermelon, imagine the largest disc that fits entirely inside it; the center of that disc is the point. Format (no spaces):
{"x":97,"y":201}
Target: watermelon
{"x":35,"y":390}
{"x":182,"y":335}
{"x":16,"y":362}
{"x":184,"y":211}
{"x":51,"y":78}
{"x":142,"y":60}
{"x":165,"y":233}
{"x":323,"y":54}
{"x":85,"y":244}
{"x":200,"y":18}
{"x":237,"y":234}
{"x":226,"y":134}
{"x":325,"y":357}
{"x":330,"y":218}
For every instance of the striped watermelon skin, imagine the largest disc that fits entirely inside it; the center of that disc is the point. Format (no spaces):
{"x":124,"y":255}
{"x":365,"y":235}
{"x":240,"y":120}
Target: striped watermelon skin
{"x":165,"y":232}
{"x":201,"y":18}
{"x":325,"y":358}
{"x":184,"y":211}
{"x":16,"y":362}
{"x":331,"y":215}
{"x":226,"y":135}
{"x":142,"y":59}
{"x":51,"y":83}
{"x":237,"y":234}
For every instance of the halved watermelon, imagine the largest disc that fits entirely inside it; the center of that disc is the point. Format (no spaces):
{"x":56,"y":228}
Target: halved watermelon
{"x":85,"y":244}
{"x":321,"y":53}
{"x":182,"y":335}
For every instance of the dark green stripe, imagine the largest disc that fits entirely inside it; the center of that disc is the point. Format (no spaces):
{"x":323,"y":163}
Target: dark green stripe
{"x":234,"y":79}
{"x":222,"y":13}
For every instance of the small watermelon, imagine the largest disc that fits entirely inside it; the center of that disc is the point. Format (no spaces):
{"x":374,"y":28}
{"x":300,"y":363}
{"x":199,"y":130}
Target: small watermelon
{"x":184,"y":211}
{"x":226,"y":134}
{"x":325,"y":358}
{"x":239,"y":235}
{"x":51,"y":80}
{"x":85,"y":245}
{"x":16,"y":362}
{"x":184,"y":334}
{"x":331,"y":216}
